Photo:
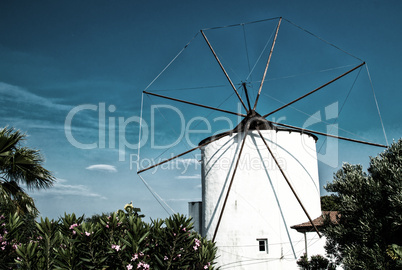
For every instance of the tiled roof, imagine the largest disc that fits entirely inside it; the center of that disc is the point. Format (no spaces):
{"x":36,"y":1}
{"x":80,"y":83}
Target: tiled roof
{"x":318,"y":222}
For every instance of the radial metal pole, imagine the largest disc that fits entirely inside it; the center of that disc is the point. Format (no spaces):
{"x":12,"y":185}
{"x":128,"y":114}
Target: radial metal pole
{"x":230,"y":184}
{"x":266,"y":67}
{"x":247,"y":97}
{"x":289,"y":184}
{"x":195,"y":104}
{"x":223,"y":69}
{"x":182,"y":154}
{"x":315,"y":90}
{"x":329,"y":135}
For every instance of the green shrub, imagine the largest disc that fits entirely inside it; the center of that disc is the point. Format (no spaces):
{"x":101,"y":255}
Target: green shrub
{"x":316,"y":262}
{"x":121,"y":240}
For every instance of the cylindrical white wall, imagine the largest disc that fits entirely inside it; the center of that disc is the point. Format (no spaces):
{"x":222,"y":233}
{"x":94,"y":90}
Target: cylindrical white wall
{"x":260,"y":204}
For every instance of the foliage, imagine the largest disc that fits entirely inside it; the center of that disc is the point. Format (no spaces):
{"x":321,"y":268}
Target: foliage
{"x":370,"y":212}
{"x":121,"y":240}
{"x":20,"y":165}
{"x":395,"y":252}
{"x":176,"y":247}
{"x":303,"y":262}
{"x":329,"y":203}
{"x":316,"y":262}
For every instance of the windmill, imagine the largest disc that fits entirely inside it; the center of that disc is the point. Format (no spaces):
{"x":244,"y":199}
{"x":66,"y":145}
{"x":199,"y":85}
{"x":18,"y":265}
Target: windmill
{"x":282,"y":191}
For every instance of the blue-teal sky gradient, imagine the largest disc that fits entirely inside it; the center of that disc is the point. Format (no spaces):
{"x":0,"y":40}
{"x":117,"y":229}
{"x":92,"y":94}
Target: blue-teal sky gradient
{"x":57,"y":55}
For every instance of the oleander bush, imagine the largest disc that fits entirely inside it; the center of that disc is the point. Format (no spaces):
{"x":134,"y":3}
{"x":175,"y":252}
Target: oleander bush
{"x":121,"y":240}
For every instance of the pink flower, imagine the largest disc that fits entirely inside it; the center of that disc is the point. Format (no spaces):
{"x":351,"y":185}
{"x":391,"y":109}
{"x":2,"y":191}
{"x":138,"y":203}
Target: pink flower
{"x":145,"y":266}
{"x":116,"y":247}
{"x":135,"y":256}
{"x":165,"y":258}
{"x":129,"y":267}
{"x":73,"y":226}
{"x":197,"y":243}
{"x":87,"y":233}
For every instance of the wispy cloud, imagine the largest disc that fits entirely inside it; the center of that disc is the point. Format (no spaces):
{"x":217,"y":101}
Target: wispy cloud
{"x":188,"y":161}
{"x":195,"y":176}
{"x":102,"y":167}
{"x":13,"y":93}
{"x":61,"y":188}
{"x":22,"y":108}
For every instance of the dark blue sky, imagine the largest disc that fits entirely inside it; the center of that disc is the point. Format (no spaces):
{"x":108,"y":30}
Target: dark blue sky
{"x":57,"y":55}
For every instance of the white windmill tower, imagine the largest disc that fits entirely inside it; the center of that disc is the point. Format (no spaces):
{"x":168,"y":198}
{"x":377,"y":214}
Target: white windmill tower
{"x":258,"y":180}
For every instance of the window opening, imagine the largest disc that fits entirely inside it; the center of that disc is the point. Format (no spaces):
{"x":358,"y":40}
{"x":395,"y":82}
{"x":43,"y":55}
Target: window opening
{"x":263,"y":244}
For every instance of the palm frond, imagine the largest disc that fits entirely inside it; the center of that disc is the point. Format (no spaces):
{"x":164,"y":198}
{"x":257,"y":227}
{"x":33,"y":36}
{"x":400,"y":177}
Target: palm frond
{"x":9,"y":140}
{"x":22,"y":164}
{"x":14,"y":199}
{"x":26,"y":167}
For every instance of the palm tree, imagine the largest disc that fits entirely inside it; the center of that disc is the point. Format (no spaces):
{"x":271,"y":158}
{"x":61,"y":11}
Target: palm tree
{"x":20,"y":165}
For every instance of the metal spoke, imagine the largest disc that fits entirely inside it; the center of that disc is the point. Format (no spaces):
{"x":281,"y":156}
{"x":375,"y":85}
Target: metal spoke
{"x":195,"y":104}
{"x":266,"y":67}
{"x":182,"y":154}
{"x":289,"y":184}
{"x":315,"y":90}
{"x":246,"y":92}
{"x":329,"y":135}
{"x":231,"y":182}
{"x":224,"y":71}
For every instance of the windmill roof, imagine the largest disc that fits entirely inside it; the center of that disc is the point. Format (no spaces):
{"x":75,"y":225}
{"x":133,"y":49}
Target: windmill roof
{"x":318,"y":222}
{"x":254,"y":121}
